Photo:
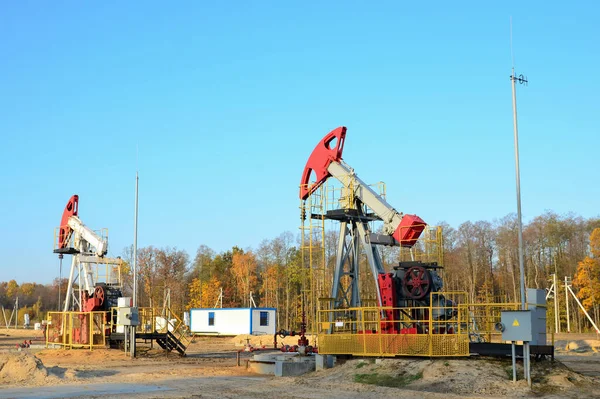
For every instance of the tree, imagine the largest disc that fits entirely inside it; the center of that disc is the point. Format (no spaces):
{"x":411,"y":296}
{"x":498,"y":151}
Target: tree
{"x":147,"y":276}
{"x":210,"y":292}
{"x":295,"y":275}
{"x":271,"y":277}
{"x":172,"y":266}
{"x":37,"y":309}
{"x":27,"y":289}
{"x":595,"y":243}
{"x":12,"y":289}
{"x":126,"y":270}
{"x":587,"y":278}
{"x":244,"y":269}
{"x":204,"y":294}
{"x":201,"y":267}
{"x":508,"y":260}
{"x":195,"y":294}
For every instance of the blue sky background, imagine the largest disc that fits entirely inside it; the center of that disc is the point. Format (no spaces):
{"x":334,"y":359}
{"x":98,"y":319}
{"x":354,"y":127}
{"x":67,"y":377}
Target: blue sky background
{"x":226,"y":100}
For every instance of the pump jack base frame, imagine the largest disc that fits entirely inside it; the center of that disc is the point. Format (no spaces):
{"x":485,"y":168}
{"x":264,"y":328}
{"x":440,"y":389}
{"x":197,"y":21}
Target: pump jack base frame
{"x":501,"y":350}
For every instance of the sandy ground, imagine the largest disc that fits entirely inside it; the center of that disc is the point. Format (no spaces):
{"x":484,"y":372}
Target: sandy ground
{"x":210,"y":371}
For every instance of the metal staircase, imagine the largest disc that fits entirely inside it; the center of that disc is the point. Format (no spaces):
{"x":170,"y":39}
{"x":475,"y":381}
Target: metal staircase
{"x":170,"y":342}
{"x":171,"y":334}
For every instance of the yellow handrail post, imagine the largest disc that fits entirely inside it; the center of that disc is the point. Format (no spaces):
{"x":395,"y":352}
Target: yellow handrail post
{"x":488,"y":323}
{"x":380,"y":333}
{"x":66,"y":329}
{"x":91,"y":331}
{"x":362,"y":314}
{"x":430,"y":335}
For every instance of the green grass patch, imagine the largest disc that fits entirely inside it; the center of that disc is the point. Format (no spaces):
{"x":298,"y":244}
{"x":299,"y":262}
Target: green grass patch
{"x":387,"y":380}
{"x":509,"y":372}
{"x":364,"y":362}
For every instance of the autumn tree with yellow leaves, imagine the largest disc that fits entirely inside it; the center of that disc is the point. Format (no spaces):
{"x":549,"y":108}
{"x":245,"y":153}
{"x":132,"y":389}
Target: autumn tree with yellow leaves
{"x":204,"y":294}
{"x":244,"y":269}
{"x":195,"y":294}
{"x":587,"y":278}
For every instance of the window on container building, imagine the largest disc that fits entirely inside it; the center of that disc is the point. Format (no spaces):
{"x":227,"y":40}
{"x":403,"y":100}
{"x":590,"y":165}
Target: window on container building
{"x":211,"y":318}
{"x":264,"y":318}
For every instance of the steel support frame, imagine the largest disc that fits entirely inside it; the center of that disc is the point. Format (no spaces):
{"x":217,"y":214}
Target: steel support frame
{"x":354,"y":236}
{"x":81,"y":275}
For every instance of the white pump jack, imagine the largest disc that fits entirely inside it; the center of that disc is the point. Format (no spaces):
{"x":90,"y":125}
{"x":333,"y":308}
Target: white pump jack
{"x":87,"y":248}
{"x":398,"y":229}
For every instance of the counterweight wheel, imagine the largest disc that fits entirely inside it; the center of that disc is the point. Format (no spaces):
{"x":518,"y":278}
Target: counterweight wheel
{"x":417,"y":282}
{"x":99,"y":293}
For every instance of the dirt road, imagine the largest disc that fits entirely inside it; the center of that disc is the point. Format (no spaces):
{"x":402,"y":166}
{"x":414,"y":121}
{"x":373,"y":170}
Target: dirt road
{"x":210,"y":371}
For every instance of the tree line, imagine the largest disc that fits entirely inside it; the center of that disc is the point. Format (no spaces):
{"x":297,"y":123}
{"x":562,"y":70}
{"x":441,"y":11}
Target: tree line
{"x":480,"y":258}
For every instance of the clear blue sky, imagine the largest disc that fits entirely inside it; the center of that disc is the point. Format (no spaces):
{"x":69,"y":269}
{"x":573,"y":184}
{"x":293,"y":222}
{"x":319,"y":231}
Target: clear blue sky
{"x":226,"y":100}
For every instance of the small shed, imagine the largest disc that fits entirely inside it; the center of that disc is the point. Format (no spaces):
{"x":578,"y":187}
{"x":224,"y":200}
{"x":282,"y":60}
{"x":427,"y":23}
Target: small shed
{"x":233,"y":321}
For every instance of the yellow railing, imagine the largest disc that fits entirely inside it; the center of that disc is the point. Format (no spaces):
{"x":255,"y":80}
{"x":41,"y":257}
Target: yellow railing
{"x":343,"y":197}
{"x":89,"y":330}
{"x":147,"y":320}
{"x":179,"y":330}
{"x":108,"y":271}
{"x":412,"y":331}
{"x":77,"y":329}
{"x":67,"y":238}
{"x":159,"y":320}
{"x":483,"y":318}
{"x":430,"y":331}
{"x":362,"y":337}
{"x":428,"y":248}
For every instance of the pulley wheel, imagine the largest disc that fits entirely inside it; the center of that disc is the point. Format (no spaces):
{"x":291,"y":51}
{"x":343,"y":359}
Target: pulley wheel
{"x":417,"y":282}
{"x":99,"y":293}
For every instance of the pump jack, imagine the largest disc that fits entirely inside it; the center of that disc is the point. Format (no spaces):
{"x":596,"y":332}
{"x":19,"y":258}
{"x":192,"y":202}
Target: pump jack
{"x":410,"y":283}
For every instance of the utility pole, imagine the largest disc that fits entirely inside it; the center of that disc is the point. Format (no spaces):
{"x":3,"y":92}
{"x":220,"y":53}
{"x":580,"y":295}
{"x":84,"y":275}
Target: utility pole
{"x":17,"y":312}
{"x":556,"y":323}
{"x":522,"y":80}
{"x":568,"y":288}
{"x":567,"y":302}
{"x":135,"y":234}
{"x":514,"y":79}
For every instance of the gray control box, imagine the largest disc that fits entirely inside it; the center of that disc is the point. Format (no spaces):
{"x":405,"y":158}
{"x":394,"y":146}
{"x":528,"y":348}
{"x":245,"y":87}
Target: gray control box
{"x":536,"y":297}
{"x":517,"y":325}
{"x":536,"y":301}
{"x":128,"y":317}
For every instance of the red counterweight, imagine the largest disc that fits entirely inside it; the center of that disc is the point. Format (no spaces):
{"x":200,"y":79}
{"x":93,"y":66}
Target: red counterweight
{"x":409,"y":230}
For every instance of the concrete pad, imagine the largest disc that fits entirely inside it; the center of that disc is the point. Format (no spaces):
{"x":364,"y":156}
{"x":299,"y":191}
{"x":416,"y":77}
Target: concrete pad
{"x":282,"y":364}
{"x":323,"y":362}
{"x":291,"y":369}
{"x":262,"y":367}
